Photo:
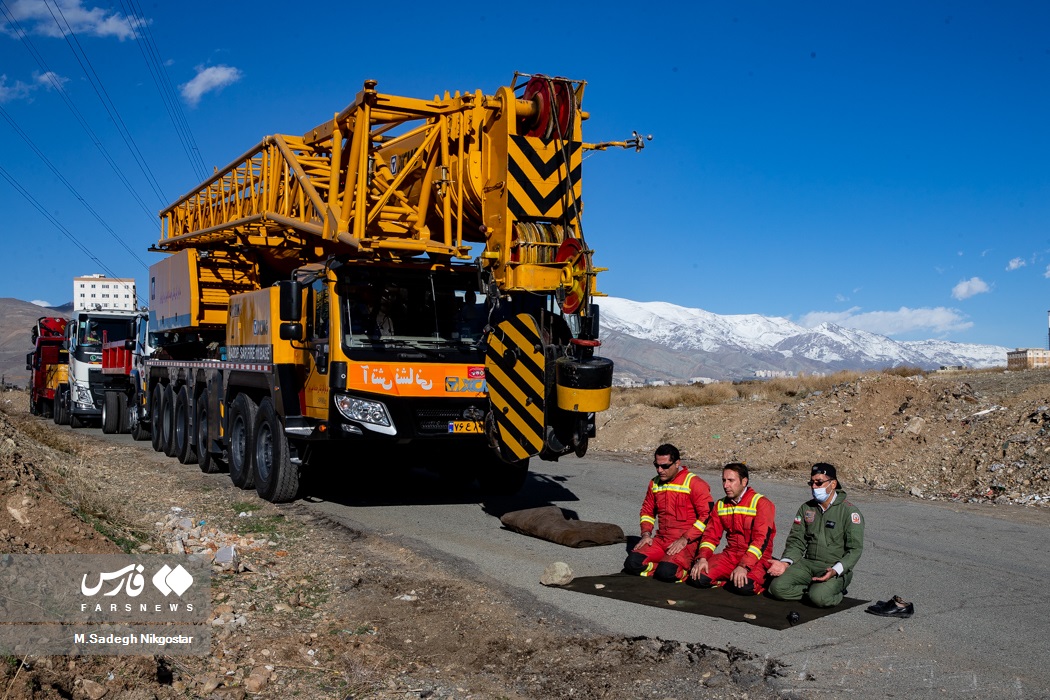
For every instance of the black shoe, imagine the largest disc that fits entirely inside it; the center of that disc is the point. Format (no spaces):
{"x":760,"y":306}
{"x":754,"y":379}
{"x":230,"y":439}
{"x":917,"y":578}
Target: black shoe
{"x":894,"y":607}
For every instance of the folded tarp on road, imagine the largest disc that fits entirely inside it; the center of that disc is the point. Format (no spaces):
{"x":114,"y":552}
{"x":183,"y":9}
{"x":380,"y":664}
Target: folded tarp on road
{"x":713,"y":602}
{"x":549,"y":523}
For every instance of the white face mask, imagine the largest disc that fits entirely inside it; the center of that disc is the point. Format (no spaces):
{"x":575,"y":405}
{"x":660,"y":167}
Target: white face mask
{"x":820,"y":494}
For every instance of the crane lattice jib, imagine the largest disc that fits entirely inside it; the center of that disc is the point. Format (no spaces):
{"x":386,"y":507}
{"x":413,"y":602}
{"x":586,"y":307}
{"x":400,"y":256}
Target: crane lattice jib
{"x":393,"y":177}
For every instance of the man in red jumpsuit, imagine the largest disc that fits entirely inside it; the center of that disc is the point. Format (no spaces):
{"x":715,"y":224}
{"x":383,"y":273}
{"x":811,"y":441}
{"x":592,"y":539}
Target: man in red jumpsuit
{"x":681,"y":501}
{"x":748,"y":521}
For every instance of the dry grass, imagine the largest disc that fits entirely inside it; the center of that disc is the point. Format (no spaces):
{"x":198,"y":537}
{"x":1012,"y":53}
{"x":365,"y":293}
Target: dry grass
{"x":781,"y":389}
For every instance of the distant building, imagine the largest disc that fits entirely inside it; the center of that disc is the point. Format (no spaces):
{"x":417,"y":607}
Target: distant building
{"x":104,"y":293}
{"x":1027,"y":358}
{"x":773,"y":374}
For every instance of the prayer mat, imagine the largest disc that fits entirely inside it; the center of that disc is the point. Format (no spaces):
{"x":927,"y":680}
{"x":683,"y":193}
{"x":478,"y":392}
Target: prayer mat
{"x":714,"y":602}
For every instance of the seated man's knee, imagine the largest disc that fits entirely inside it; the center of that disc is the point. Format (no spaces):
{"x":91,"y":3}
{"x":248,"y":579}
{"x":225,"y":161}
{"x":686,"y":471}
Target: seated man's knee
{"x":823,"y":598}
{"x":702,"y":582}
{"x":634,"y":563}
{"x":666,"y":571}
{"x":747,"y":589}
{"x":782,"y":590}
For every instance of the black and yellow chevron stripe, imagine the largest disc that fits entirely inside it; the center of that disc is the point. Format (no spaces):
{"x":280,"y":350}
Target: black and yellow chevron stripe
{"x":537,"y":178}
{"x":514,"y":372}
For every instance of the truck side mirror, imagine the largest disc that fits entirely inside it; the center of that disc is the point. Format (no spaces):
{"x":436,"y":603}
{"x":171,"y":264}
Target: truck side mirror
{"x":291,"y":301}
{"x":29,"y":361}
{"x":129,"y":344}
{"x":291,"y":331}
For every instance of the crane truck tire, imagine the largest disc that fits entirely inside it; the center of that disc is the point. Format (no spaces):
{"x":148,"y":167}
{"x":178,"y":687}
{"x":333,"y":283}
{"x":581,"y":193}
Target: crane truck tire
{"x":276,"y":477}
{"x":183,"y":436}
{"x":167,"y":421}
{"x":111,"y":413}
{"x":242,"y":424}
{"x":209,"y":463}
{"x":155,"y":404}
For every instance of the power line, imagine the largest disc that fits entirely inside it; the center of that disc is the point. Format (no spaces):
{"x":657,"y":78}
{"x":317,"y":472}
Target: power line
{"x":32,"y":200}
{"x":47,"y":72}
{"x":58,"y":174}
{"x":104,"y":98}
{"x":172,"y":104}
{"x":65,"y":232}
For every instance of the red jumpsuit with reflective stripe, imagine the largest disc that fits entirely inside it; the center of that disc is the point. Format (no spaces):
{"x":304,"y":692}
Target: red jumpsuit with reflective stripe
{"x":682,"y":506}
{"x":749,"y":527}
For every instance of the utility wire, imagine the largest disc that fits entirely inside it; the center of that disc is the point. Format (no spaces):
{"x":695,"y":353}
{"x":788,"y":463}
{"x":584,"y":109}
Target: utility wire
{"x":172,"y":104}
{"x":66,"y":30}
{"x":25,"y":193}
{"x":58,"y":174}
{"x":57,"y":85}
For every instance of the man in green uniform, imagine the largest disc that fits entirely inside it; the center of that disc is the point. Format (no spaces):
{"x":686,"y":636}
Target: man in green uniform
{"x":825,"y":543}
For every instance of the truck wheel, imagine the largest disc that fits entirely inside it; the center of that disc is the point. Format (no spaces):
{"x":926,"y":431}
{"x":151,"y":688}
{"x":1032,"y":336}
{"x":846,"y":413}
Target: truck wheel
{"x":167,"y":422}
{"x":56,"y":412}
{"x":111,"y":413}
{"x":499,"y":479}
{"x":276,"y":478}
{"x":209,"y":463}
{"x":61,"y":409}
{"x":122,"y":411}
{"x":155,"y":405}
{"x":139,"y":430}
{"x":242,"y":421}
{"x":185,"y":444}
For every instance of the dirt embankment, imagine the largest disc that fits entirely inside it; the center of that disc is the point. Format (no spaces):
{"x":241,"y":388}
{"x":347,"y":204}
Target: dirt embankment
{"x":307,"y":608}
{"x":958,"y":436}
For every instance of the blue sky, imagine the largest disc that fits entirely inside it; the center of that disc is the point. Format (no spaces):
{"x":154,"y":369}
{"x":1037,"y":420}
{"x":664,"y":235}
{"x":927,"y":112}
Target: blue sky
{"x":881,"y":165}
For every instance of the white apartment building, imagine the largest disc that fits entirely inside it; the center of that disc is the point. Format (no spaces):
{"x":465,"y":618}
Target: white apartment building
{"x":103,"y":293}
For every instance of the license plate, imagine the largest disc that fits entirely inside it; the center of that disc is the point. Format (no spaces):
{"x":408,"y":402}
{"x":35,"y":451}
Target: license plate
{"x":464,"y":426}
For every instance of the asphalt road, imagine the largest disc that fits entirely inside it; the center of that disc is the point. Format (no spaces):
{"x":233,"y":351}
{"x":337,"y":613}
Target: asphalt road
{"x":976,"y":574}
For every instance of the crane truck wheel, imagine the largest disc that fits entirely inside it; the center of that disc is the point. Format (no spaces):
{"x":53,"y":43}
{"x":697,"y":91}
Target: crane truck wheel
{"x":209,"y":463}
{"x":139,"y":430}
{"x":167,"y":422}
{"x":156,"y":401}
{"x":242,"y":423}
{"x":111,"y":413}
{"x":183,"y":435}
{"x":276,"y":478}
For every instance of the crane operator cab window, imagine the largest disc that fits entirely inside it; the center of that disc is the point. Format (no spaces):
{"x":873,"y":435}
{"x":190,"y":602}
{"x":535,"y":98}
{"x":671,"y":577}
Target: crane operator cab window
{"x":428,"y":311}
{"x":372,"y":312}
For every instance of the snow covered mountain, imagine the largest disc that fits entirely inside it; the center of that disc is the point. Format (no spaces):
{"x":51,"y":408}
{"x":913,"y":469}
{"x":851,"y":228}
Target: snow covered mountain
{"x":661,"y":341}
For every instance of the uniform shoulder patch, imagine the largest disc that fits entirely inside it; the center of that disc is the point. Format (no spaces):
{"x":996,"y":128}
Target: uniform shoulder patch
{"x":855,"y":517}
{"x":798,"y":520}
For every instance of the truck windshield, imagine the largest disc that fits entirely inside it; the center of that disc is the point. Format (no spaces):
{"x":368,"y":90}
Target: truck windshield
{"x":420,"y":309}
{"x":94,"y":330}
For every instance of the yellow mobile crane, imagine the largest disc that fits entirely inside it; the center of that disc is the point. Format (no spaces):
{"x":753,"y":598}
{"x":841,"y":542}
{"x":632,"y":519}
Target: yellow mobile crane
{"x":410,"y":271}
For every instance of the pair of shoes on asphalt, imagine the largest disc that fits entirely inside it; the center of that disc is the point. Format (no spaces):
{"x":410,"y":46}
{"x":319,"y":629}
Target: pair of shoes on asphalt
{"x":894,"y":607}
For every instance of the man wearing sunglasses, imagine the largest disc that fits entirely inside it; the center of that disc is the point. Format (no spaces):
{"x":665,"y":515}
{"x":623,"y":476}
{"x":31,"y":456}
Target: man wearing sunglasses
{"x":823,"y":547}
{"x":681,"y":501}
